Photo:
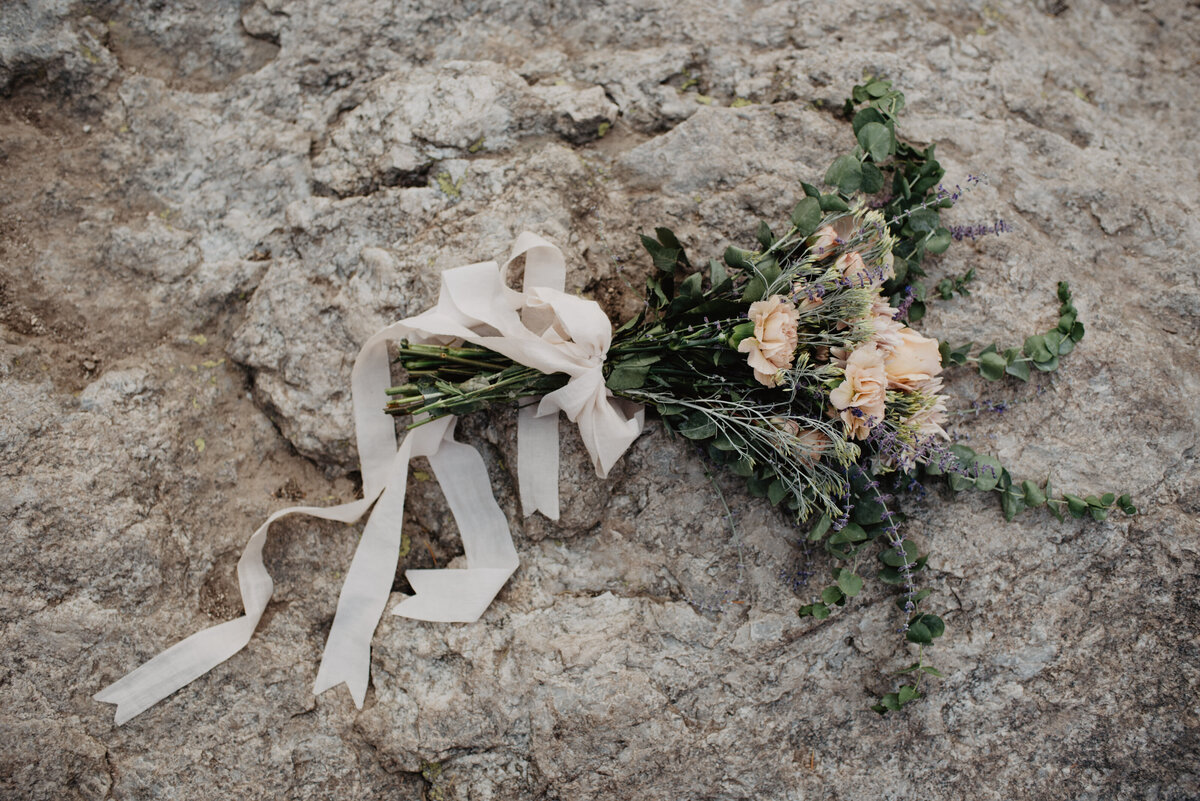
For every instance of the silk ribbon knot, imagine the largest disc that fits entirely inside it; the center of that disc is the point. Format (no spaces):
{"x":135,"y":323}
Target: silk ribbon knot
{"x":541,"y":327}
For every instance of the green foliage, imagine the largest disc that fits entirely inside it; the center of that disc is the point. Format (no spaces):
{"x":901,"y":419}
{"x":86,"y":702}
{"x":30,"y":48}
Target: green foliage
{"x":984,"y":473}
{"x":948,"y":286}
{"x":1041,"y":351}
{"x":911,"y":175}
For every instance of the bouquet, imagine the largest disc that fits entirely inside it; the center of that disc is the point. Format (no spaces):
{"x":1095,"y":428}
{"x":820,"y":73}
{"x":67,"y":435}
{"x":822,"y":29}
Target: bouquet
{"x":794,"y":365}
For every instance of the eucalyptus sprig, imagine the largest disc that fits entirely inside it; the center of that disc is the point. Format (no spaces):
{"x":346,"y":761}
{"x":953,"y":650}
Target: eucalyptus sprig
{"x":913,"y":178}
{"x":1042,"y":350}
{"x":985,"y":473}
{"x":947,"y":287}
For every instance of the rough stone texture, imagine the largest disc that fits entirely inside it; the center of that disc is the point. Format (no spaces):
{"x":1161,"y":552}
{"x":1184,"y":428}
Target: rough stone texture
{"x":208,"y":207}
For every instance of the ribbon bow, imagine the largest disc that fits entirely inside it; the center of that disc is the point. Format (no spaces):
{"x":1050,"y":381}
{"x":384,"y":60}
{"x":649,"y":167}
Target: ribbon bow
{"x":541,"y":327}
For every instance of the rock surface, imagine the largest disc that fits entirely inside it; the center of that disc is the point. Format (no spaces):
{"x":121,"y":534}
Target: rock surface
{"x":209,"y":207}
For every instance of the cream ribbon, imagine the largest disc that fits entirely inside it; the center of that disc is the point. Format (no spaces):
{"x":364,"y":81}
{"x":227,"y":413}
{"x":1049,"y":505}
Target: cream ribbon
{"x":542,"y":327}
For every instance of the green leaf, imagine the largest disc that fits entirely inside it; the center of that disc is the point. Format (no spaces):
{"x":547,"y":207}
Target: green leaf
{"x":924,"y":221}
{"x":820,"y":611}
{"x":740,"y":332}
{"x":698,"y":426}
{"x":845,"y":173}
{"x":992,"y":366}
{"x":776,"y":492}
{"x":831,"y":595}
{"x":862,"y":118}
{"x":764,"y":235}
{"x":849,"y":583}
{"x":669,"y":240}
{"x":1053,"y":339}
{"x":806,"y":215}
{"x":1018,"y":369}
{"x":934,"y":623}
{"x":768,"y":269}
{"x":876,"y":140}
{"x":690,"y":287}
{"x":1075,"y":505}
{"x":1077,"y":332}
{"x":743,"y":467}
{"x":932,"y":671}
{"x":890,"y":557}
{"x":739,"y":259}
{"x":1034,"y":496}
{"x":1035,"y":348}
{"x":820,"y":528}
{"x":890,"y":701}
{"x":1048,"y":366}
{"x":810,"y":190}
{"x":833,"y":203}
{"x":890,"y":575}
{"x":755,"y":290}
{"x":938,"y":241}
{"x":722,"y":442}
{"x":627,"y":377}
{"x":1012,"y":503}
{"x":868,"y":511}
{"x":878,"y":88}
{"x":959,"y":482}
{"x":664,"y":258}
{"x":717,"y":275}
{"x":906,"y":694}
{"x":872,"y":178}
{"x":918,"y":633}
{"x":988,"y":469}
{"x":851,"y":533}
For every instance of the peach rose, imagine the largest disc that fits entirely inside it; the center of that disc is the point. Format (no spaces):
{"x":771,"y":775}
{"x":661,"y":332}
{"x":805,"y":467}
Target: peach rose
{"x":810,"y":443}
{"x":929,"y":421}
{"x":857,"y":273}
{"x":860,"y":397}
{"x":773,"y":346}
{"x":885,"y":326}
{"x":913,"y":362}
{"x":825,"y":240}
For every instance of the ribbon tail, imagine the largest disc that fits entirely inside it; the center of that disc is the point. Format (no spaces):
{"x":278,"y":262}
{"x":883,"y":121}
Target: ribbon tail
{"x":452,"y":596}
{"x":347,"y":656}
{"x":176,"y":667}
{"x":457,"y":595}
{"x":189,"y":659}
{"x":537,"y":461}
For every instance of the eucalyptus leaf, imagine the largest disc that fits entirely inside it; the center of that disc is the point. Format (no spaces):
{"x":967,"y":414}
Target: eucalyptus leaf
{"x":806,"y":215}
{"x":872,"y":178}
{"x":846,"y":174}
{"x":1019,"y":370}
{"x":992,"y":366}
{"x":698,"y":426}
{"x":849,"y":583}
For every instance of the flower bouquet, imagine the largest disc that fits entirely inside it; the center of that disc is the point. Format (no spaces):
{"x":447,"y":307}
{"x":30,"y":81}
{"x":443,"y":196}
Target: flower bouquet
{"x":793,"y":364}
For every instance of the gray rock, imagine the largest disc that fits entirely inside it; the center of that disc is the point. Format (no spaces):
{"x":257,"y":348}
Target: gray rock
{"x":209,"y":208}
